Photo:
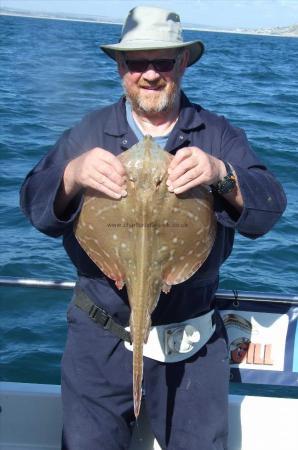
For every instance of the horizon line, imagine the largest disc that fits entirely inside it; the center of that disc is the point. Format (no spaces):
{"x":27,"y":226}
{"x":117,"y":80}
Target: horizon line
{"x":264,"y":31}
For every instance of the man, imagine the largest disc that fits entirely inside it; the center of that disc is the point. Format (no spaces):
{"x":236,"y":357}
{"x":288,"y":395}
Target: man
{"x":186,"y":401}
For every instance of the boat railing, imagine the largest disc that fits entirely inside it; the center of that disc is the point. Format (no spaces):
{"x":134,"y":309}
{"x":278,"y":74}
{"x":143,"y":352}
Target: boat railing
{"x":36,"y":283}
{"x":222,"y":294}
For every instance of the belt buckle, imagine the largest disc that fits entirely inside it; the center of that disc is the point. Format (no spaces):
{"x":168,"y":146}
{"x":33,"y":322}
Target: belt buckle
{"x":107,"y":324}
{"x":103,"y":318}
{"x":93,"y":312}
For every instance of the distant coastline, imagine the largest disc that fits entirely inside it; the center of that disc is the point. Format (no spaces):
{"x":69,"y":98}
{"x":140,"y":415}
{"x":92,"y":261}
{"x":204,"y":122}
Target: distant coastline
{"x":70,"y":17}
{"x":289,"y":31}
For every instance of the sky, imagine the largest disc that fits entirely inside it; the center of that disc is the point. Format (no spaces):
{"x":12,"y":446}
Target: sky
{"x":217,"y":13}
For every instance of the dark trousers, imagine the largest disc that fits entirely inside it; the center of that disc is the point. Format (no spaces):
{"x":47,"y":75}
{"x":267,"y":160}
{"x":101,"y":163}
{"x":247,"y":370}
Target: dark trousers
{"x":187,"y":402}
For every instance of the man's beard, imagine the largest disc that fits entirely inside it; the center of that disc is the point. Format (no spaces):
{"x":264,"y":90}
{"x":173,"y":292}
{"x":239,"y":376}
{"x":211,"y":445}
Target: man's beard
{"x":161,"y":101}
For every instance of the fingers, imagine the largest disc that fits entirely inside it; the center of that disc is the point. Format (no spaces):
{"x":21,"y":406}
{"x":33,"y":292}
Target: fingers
{"x":100,"y":170}
{"x":107,"y":174}
{"x":110,"y":190}
{"x":106,"y":178}
{"x":112,"y":160}
{"x":192,"y":167}
{"x":179,"y":156}
{"x":184,"y":171}
{"x":186,"y":181}
{"x":104,"y":184}
{"x":186,"y":165}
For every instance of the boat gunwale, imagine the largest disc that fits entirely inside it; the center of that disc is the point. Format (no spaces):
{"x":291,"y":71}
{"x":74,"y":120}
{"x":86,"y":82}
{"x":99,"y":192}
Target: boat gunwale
{"x":221,"y":294}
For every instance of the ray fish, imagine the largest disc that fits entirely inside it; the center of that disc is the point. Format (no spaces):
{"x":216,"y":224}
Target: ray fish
{"x":149,"y":240}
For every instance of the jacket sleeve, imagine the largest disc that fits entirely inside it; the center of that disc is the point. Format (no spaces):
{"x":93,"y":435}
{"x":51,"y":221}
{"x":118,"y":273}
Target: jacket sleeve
{"x":40,"y":187}
{"x":263,"y":196}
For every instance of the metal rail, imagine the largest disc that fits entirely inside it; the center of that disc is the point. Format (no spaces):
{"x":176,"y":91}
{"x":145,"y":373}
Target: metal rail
{"x":36,"y":283}
{"x":232,"y":295}
{"x":261,"y":297}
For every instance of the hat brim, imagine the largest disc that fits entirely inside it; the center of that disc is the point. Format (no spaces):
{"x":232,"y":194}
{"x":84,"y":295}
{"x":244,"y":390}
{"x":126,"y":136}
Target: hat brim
{"x":196,"y":48}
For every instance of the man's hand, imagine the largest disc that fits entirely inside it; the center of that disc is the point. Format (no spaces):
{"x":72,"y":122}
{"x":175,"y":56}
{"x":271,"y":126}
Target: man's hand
{"x":97,"y":169}
{"x":192,"y":167}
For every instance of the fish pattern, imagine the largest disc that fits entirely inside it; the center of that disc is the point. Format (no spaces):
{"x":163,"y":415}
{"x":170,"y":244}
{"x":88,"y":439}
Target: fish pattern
{"x":149,"y":240}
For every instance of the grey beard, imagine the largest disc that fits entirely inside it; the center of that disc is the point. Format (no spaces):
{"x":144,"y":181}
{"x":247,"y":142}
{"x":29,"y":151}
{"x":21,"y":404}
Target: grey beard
{"x":166,"y":103}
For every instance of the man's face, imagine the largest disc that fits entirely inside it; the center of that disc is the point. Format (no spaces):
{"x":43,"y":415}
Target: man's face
{"x":151,"y":90}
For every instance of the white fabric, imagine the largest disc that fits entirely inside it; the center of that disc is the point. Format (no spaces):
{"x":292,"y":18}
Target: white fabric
{"x":177,"y":341}
{"x":152,"y":28}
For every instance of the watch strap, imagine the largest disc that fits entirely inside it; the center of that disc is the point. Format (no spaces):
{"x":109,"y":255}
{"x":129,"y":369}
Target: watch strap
{"x":228,"y":183}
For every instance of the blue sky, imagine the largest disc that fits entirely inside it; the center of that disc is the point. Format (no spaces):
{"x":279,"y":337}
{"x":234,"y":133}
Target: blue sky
{"x":219,"y":13}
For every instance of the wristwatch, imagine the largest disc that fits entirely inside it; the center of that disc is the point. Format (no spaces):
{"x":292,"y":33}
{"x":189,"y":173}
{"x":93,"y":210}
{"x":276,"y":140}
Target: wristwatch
{"x":228,"y":182}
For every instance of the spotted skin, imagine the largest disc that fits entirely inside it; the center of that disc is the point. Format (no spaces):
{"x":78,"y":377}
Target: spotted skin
{"x":147,"y":241}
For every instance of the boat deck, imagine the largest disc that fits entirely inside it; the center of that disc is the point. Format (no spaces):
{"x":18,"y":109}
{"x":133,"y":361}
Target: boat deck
{"x":31,"y":419}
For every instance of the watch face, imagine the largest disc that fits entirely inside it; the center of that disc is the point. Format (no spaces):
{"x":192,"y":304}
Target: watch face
{"x":228,"y":185}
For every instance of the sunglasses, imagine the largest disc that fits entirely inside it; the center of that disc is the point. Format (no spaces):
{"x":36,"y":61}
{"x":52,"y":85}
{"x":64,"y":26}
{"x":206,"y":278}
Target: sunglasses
{"x":141,"y":65}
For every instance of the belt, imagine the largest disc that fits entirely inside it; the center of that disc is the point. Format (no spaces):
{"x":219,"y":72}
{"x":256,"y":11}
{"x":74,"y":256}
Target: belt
{"x":167,"y":343}
{"x":99,"y":315}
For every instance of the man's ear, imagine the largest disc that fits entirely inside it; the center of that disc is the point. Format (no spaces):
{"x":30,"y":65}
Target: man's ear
{"x":184,"y":60}
{"x":122,"y":69}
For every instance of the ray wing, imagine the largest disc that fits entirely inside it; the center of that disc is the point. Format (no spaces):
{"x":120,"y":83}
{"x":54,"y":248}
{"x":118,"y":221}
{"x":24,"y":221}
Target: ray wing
{"x":187,"y":235}
{"x":103,"y":232}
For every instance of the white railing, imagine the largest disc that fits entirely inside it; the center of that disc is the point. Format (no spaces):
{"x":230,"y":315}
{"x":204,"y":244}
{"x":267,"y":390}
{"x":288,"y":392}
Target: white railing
{"x":232,"y":295}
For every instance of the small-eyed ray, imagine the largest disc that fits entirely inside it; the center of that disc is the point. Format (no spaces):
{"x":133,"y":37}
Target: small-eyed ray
{"x":149,"y":240}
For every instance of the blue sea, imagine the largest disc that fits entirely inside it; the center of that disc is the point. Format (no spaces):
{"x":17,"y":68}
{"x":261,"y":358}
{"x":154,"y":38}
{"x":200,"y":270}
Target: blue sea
{"x":51,"y":73}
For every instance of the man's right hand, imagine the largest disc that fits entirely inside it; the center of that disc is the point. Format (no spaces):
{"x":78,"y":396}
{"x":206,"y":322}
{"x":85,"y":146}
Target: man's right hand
{"x":97,"y":169}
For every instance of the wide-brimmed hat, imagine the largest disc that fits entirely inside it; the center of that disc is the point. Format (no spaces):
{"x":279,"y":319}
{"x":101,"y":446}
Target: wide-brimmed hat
{"x":151,"y":28}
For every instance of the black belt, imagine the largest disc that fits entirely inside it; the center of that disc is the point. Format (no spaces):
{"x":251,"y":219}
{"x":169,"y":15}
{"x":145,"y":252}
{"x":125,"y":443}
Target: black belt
{"x":100,"y":316}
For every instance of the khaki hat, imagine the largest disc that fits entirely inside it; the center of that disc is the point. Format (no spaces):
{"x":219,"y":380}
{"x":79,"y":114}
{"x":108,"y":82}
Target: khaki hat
{"x":151,"y":28}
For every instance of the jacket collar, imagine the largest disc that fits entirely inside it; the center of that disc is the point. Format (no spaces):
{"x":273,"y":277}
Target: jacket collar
{"x":116,"y":124}
{"x":189,"y":117}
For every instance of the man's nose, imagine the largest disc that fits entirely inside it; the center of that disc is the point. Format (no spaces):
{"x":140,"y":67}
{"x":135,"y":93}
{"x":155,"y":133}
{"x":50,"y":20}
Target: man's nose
{"x":150,"y":73}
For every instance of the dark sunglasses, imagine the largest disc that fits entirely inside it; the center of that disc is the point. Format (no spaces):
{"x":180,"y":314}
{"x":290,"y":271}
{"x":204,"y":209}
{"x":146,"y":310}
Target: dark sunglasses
{"x":141,"y":65}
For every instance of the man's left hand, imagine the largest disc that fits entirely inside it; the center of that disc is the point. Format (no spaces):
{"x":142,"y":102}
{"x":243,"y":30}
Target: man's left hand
{"x":192,"y":167}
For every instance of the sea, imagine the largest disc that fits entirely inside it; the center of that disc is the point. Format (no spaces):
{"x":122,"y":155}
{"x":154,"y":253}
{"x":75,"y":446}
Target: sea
{"x":52,"y":72}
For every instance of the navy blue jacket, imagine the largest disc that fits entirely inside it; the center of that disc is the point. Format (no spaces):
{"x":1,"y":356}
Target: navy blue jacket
{"x":264,"y":202}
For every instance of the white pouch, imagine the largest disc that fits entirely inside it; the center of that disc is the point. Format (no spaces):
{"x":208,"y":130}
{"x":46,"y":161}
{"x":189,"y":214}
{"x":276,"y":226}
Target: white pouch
{"x":177,"y":341}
